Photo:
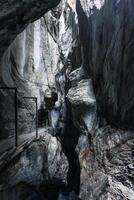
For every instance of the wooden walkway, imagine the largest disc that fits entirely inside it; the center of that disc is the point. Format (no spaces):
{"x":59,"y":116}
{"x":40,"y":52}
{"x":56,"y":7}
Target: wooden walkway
{"x":9,"y":143}
{"x":8,"y":151}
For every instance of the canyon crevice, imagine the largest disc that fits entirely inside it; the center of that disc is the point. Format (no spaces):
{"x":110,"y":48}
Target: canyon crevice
{"x":76,"y":58}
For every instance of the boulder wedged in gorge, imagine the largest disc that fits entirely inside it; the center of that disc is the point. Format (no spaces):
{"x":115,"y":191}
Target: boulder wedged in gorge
{"x":81,"y":70}
{"x":83,"y":102}
{"x":106,"y":155}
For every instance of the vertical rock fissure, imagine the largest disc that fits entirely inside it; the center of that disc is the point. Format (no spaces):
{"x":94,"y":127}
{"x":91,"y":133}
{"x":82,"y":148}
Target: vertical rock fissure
{"x":69,"y":141}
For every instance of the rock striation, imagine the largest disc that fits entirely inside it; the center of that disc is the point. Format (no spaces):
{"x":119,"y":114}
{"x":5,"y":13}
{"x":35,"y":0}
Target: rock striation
{"x":40,"y":166}
{"x":37,"y":63}
{"x":81,"y":70}
{"x":105,"y":34}
{"x":15,"y":16}
{"x":106,"y":37}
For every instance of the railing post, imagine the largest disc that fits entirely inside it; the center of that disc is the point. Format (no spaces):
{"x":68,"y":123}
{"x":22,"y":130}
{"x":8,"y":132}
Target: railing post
{"x":36,"y":102}
{"x":16,"y":118}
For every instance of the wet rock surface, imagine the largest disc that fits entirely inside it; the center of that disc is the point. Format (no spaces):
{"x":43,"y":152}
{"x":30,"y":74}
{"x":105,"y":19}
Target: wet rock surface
{"x":82,"y":99}
{"x":106,"y":161}
{"x":106,"y":154}
{"x":108,"y":57}
{"x":15,"y":16}
{"x":41,"y":166}
{"x":82,"y":73}
{"x":36,"y":64}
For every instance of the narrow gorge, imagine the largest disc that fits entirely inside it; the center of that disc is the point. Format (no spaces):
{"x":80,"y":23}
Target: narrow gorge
{"x":66,"y":100}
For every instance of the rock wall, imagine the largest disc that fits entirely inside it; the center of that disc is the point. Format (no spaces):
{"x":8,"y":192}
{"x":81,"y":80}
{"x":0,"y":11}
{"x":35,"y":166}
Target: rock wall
{"x":37,"y":172}
{"x":105,"y":153}
{"x":83,"y":72}
{"x":106,"y":35}
{"x":106,"y":150}
{"x":15,"y":16}
{"x":37,"y":63}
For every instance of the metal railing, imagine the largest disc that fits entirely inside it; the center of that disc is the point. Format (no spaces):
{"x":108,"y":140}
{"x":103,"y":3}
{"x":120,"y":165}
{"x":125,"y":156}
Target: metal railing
{"x":16,"y":111}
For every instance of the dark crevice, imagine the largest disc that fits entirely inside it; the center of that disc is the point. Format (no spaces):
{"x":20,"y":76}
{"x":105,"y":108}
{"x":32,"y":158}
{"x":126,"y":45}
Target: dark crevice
{"x":69,"y":141}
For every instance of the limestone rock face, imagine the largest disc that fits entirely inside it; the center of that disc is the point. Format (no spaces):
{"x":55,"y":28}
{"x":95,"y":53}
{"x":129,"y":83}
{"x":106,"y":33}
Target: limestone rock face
{"x":106,"y":36}
{"x":81,"y":94}
{"x":36,"y":63}
{"x":107,"y":155}
{"x":40,"y":164}
{"x":83,"y":102}
{"x":113,"y":153}
{"x":15,"y":16}
{"x":81,"y":71}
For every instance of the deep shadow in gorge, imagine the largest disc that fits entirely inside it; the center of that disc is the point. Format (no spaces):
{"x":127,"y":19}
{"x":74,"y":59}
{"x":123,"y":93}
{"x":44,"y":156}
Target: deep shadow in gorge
{"x":69,"y":141}
{"x":56,"y":189}
{"x":33,"y":75}
{"x":109,"y":58}
{"x":78,"y":63}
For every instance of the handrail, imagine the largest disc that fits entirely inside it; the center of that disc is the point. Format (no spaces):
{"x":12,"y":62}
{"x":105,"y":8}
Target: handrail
{"x":16,"y":110}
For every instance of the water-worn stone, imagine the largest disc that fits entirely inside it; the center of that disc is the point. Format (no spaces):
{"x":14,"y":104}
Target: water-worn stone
{"x":47,"y":57}
{"x":15,"y":16}
{"x":41,"y":162}
{"x":35,"y":63}
{"x":82,"y":94}
{"x":106,"y":37}
{"x":83,"y":104}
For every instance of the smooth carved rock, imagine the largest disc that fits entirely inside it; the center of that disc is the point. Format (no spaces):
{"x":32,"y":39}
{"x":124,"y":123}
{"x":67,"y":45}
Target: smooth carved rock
{"x":83,"y":103}
{"x":42,"y":162}
{"x":106,"y":29}
{"x":34,"y":63}
{"x":16,"y":15}
{"x":82,"y":94}
{"x":76,"y":76}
